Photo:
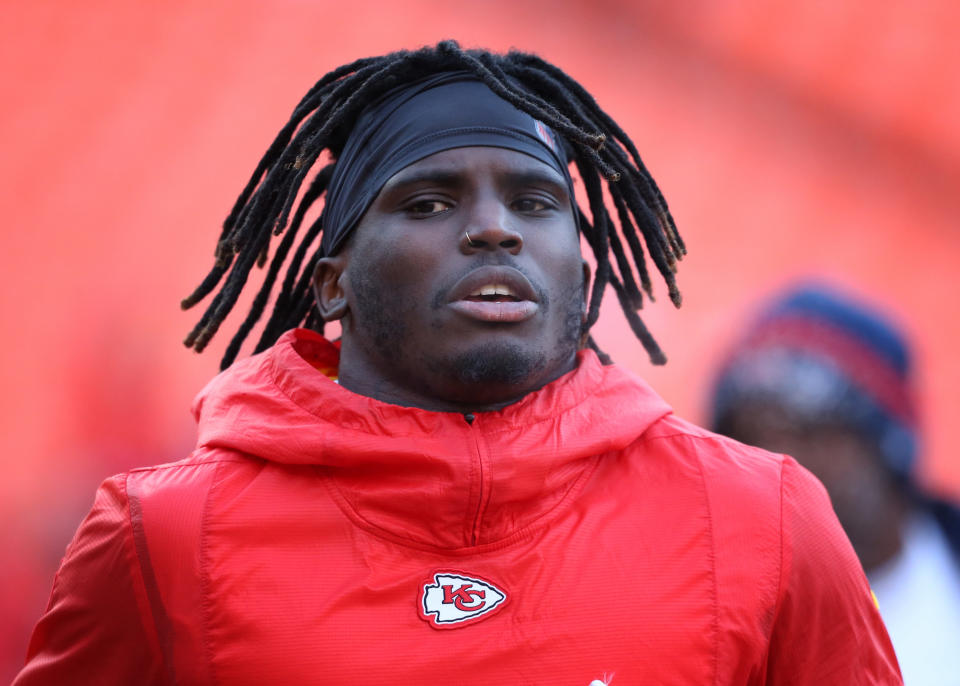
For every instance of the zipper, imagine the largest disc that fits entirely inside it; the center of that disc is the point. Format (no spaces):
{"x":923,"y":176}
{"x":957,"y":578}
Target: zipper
{"x":483,"y":479}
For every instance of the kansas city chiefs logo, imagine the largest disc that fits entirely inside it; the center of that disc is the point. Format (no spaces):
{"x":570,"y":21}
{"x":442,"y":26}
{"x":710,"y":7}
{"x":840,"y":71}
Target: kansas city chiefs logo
{"x":452,"y":599}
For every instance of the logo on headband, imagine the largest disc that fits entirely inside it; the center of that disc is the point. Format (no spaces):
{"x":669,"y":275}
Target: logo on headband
{"x":545,"y":134}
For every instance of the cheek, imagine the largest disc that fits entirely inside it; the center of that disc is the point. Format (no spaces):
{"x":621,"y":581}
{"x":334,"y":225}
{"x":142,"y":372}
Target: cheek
{"x":399,"y":282}
{"x":563,"y":266}
{"x":398,"y":264}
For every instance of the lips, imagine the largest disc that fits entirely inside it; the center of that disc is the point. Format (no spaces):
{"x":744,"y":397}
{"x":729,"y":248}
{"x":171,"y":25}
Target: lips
{"x":494,"y":294}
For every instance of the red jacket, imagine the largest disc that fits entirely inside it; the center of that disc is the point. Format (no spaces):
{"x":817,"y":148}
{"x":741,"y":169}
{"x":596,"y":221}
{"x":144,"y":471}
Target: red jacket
{"x":316,"y":536}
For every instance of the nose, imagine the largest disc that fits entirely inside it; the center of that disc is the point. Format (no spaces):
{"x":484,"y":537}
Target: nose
{"x":489,"y":229}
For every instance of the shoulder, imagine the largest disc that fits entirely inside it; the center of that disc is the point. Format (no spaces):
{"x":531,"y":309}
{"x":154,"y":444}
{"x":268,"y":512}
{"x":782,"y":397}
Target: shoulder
{"x":727,"y":467}
{"x":749,"y":488}
{"x":164,"y":503}
{"x":764,"y":509}
{"x":187,"y":478}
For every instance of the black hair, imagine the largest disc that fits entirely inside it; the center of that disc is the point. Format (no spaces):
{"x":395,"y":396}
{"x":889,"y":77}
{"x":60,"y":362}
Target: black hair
{"x":322,"y":121}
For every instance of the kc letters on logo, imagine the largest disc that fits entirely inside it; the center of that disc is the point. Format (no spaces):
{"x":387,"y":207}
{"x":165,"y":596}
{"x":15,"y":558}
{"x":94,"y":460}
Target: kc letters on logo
{"x":451,"y":599}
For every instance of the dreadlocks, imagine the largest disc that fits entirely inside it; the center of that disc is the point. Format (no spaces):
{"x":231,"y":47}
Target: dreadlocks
{"x":322,"y":121}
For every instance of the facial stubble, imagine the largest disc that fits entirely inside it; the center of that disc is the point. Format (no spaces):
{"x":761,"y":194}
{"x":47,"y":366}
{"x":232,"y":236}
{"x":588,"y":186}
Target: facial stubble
{"x":490,"y":367}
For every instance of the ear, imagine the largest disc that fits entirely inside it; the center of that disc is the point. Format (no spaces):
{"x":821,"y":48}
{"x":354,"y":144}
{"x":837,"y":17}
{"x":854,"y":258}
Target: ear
{"x":587,"y":272}
{"x":328,"y":288}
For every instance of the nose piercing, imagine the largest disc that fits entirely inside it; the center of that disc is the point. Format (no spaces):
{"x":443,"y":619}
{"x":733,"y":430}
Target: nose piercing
{"x":469,"y":240}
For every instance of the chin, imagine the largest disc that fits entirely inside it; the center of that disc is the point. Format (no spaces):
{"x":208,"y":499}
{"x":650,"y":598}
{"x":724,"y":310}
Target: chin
{"x":498,"y":364}
{"x":491,"y":373}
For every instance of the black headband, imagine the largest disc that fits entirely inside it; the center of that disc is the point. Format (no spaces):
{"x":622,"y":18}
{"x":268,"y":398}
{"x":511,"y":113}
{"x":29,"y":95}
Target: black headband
{"x":411,"y":122}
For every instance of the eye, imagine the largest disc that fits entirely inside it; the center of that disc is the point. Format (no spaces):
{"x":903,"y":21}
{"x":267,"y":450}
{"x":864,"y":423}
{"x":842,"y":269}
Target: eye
{"x":426,"y":208}
{"x":533,"y":204}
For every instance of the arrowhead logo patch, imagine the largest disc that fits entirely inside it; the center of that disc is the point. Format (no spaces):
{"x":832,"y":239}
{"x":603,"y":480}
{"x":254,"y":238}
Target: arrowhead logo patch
{"x":449,"y":600}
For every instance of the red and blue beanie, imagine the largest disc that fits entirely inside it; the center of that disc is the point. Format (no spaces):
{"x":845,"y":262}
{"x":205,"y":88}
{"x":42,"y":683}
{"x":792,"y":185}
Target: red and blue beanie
{"x":828,"y":358}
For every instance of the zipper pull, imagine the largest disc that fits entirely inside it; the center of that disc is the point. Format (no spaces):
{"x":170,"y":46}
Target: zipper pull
{"x":468,"y":418}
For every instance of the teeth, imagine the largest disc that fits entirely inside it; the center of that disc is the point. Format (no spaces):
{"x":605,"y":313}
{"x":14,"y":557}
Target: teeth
{"x":494,"y":289}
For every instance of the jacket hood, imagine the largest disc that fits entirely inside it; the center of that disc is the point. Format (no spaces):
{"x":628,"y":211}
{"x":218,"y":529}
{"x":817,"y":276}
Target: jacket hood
{"x":481,"y":482}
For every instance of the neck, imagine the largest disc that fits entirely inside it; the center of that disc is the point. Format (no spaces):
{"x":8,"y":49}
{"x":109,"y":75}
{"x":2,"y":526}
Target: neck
{"x":384,"y":391}
{"x":439,"y":392}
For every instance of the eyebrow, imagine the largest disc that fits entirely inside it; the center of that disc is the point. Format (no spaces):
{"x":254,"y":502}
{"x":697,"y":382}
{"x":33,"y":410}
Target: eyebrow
{"x":535,"y":177}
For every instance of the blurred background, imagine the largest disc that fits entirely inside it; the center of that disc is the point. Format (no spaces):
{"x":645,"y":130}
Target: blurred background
{"x":790,"y":139}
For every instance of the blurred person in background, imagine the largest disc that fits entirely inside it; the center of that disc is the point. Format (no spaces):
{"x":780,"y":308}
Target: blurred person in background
{"x":461,"y":489}
{"x":829,"y":380}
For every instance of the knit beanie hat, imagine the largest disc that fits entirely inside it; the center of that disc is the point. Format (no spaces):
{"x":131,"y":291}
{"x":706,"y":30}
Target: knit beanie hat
{"x":825,"y":357}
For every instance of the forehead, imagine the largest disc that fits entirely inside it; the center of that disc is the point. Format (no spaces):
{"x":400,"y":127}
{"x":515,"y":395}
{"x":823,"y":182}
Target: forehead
{"x":462,"y":164}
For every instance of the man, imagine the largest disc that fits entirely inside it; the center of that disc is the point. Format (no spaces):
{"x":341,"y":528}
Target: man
{"x":459,"y":491}
{"x":829,"y":380}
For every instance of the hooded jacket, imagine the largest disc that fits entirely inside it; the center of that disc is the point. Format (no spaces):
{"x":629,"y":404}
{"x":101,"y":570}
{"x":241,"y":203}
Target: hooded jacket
{"x":316,"y":536}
